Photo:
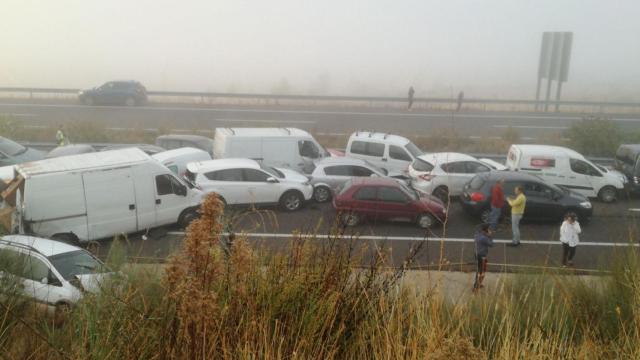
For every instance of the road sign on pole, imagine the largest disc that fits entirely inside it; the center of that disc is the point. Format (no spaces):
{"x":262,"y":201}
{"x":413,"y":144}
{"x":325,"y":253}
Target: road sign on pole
{"x":555,"y":56}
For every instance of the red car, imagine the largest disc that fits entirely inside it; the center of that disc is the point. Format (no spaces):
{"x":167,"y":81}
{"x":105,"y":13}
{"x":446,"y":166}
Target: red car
{"x":386,"y":199}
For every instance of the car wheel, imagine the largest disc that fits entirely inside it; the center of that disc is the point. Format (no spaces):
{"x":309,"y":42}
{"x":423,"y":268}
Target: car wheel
{"x":88,"y":100}
{"x":426,"y":221}
{"x":291,"y":201}
{"x":130,"y":101}
{"x":322,"y":194}
{"x":350,"y":219}
{"x":485,"y":216}
{"x":188,"y":217}
{"x":68,"y":238}
{"x":442,"y":193}
{"x":607,"y":194}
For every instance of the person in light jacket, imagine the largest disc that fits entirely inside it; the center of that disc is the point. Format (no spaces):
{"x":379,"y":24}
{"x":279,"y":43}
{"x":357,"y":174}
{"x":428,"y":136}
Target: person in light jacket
{"x":569,"y":231}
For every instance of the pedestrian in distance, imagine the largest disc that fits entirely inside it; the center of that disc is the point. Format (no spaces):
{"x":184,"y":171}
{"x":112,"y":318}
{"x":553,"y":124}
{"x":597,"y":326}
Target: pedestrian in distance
{"x":497,"y":203}
{"x":460,"y":99}
{"x":483,"y":241}
{"x":569,"y":236}
{"x":517,"y":210}
{"x":60,"y":138}
{"x":410,"y":99}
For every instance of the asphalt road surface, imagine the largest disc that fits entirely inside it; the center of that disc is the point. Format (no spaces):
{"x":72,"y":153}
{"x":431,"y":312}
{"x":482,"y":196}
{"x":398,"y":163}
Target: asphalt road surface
{"x":607,"y":234}
{"x":326,"y":119}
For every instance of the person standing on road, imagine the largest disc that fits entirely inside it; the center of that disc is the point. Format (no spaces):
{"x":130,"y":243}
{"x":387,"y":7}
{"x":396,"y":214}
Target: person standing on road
{"x":517,"y":210}
{"x":483,"y":241}
{"x":410,"y":99}
{"x":569,"y":231}
{"x":60,"y":138}
{"x":497,"y":203}
{"x":460,"y":99}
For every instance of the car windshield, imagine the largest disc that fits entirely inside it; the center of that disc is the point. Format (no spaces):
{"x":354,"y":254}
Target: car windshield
{"x":377,"y":169}
{"x":11,"y":148}
{"x":273,"y":171}
{"x":77,"y":263}
{"x":413,"y":149}
{"x":410,"y":191}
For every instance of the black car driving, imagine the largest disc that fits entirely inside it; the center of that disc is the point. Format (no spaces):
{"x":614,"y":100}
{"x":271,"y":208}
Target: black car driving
{"x":129,"y":93}
{"x":545,"y":202}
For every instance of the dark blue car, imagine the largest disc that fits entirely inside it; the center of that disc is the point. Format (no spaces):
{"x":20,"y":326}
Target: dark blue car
{"x":129,"y":93}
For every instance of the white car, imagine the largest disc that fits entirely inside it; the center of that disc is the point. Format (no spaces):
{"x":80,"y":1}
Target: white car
{"x":52,"y":273}
{"x":245,"y":181}
{"x":387,"y":151}
{"x":444,"y":174}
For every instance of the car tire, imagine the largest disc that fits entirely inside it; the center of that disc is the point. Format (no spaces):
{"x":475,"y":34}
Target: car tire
{"x":291,"y":201}
{"x":442,"y":193}
{"x":68,"y":238}
{"x":485,"y":216}
{"x":350,"y":219}
{"x":187,"y":217}
{"x":130,"y":101}
{"x":426,"y":221}
{"x":607,"y":194}
{"x":322,"y":194}
{"x":88,"y":100}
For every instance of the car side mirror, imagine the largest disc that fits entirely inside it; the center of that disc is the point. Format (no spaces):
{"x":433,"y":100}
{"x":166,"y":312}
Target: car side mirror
{"x":44,"y":280}
{"x":272,"y":180}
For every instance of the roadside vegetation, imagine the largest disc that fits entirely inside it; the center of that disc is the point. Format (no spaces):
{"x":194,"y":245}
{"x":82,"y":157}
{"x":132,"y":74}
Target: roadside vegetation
{"x":324,"y":299}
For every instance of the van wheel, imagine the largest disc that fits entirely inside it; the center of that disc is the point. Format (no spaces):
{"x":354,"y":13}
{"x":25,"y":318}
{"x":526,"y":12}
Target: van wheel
{"x":68,"y":238}
{"x":426,"y":221}
{"x":291,"y":201}
{"x":442,"y":193}
{"x":350,"y":219}
{"x":607,"y":194}
{"x":130,"y":101}
{"x":188,"y":217}
{"x":322,"y":194}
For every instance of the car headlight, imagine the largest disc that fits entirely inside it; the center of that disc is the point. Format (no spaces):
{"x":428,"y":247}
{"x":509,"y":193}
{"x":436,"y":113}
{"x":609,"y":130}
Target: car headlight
{"x":586,"y":204}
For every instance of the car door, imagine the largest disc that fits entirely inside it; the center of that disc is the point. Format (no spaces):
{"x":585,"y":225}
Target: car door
{"x":364,"y":202}
{"x":398,"y":159}
{"x":336,"y":175}
{"x":258,"y":189}
{"x":393,"y":204}
{"x":579,"y":178}
{"x":372,"y":151}
{"x":456,"y":174}
{"x":33,"y":275}
{"x":540,"y":202}
{"x":106,"y":93}
{"x":229,"y":183}
{"x":170,"y":198}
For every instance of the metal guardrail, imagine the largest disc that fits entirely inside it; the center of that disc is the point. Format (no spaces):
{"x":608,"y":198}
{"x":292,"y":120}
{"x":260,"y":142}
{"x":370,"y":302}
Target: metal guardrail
{"x":451,"y":101}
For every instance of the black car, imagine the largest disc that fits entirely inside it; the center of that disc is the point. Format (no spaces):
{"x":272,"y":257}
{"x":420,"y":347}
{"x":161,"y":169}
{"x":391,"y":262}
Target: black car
{"x":128,"y":93}
{"x":628,"y":162}
{"x":545,"y":202}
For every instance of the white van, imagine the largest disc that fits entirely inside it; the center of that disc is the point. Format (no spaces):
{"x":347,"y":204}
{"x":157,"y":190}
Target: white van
{"x":176,"y":160}
{"x":391,"y":152}
{"x":280,"y":147}
{"x":98,"y":195}
{"x":565,"y":167}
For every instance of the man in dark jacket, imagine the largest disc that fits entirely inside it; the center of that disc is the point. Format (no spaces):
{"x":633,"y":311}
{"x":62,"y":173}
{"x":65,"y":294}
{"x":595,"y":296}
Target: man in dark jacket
{"x":483,"y":241}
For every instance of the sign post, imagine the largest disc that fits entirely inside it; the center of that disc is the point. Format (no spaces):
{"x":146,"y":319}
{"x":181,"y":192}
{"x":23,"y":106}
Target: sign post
{"x":555,"y":56}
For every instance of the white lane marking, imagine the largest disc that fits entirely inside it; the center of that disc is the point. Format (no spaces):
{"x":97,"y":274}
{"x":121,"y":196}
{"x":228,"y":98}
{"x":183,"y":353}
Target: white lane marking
{"x":456,"y":116}
{"x":415,"y":238}
{"x":268,"y":121}
{"x":530,"y":127}
{"x":18,"y":115}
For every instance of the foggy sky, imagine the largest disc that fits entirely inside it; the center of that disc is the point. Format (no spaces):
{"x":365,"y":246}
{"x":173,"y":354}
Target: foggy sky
{"x":486,"y":48}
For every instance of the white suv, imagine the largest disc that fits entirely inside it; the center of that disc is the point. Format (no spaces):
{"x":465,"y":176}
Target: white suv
{"x":444,"y":174}
{"x":52,"y":273}
{"x":391,"y":152}
{"x":245,"y":181}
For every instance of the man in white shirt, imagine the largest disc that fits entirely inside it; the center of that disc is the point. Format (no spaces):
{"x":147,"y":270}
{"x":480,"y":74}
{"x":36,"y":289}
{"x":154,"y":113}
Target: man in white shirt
{"x":569,"y":231}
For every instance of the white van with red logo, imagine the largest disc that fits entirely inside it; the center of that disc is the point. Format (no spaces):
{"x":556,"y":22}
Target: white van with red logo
{"x":567,"y":168}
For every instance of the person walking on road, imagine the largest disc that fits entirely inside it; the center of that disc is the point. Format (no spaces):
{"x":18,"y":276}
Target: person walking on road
{"x":517,"y":210}
{"x":497,"y":203}
{"x":569,"y":231}
{"x":460,"y":99}
{"x":410,"y":99}
{"x":483,"y":241}
{"x":60,"y":138}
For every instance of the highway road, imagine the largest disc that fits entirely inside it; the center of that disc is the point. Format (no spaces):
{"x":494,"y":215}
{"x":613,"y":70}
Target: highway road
{"x":327,"y":119}
{"x":606,"y":235}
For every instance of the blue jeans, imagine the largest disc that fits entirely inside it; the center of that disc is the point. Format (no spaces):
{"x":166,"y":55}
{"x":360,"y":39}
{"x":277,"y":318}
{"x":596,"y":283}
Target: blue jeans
{"x":515,"y":227}
{"x":494,"y":216}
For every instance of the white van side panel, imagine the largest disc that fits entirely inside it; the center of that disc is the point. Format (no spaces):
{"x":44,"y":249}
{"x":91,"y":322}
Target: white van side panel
{"x":111,"y":202}
{"x":54,"y":196}
{"x":145,"y":187}
{"x":281,"y":152}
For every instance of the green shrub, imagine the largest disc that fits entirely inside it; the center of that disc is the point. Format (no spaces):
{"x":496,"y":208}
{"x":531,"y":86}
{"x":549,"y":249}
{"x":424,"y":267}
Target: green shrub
{"x":595,"y":137}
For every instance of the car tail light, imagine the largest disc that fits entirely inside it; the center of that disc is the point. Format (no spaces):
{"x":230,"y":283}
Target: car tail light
{"x":476,"y":196}
{"x":426,"y":177}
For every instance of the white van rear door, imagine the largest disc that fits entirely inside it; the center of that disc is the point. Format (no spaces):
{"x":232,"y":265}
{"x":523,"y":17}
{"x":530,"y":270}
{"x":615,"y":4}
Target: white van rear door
{"x":111,"y":203}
